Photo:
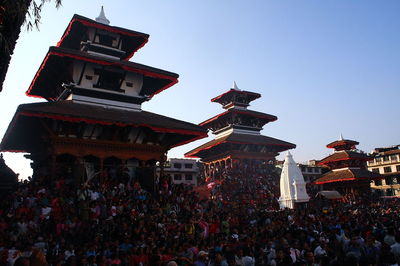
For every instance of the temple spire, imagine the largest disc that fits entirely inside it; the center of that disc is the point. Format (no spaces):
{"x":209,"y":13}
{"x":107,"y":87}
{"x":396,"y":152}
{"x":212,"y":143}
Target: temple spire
{"x":341,"y":137}
{"x":102,"y":17}
{"x":235,"y":87}
{"x":292,"y":185}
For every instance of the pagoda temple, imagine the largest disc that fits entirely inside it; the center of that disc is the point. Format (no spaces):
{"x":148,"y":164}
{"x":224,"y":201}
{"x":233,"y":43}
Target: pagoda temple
{"x":348,"y":168}
{"x":92,"y":124}
{"x":238,"y":140}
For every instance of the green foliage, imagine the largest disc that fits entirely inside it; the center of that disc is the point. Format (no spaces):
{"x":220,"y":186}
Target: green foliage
{"x":34,"y":12}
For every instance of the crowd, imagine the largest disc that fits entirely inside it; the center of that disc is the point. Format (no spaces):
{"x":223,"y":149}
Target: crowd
{"x":117,"y":222}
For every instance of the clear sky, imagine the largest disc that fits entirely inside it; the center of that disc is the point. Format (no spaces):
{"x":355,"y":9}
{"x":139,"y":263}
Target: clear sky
{"x":323,"y":67}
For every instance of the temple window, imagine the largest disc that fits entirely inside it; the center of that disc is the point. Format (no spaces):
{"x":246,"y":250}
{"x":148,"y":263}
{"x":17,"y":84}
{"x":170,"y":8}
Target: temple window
{"x":387,"y":169}
{"x":177,"y":177}
{"x":375,"y":170}
{"x":188,"y":165}
{"x":109,"y":79}
{"x":188,"y":177}
{"x":397,"y":168}
{"x":104,"y":39}
{"x":177,"y":165}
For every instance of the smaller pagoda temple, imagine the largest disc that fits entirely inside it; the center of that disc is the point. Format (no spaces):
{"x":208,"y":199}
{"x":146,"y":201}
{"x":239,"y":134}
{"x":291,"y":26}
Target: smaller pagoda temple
{"x":238,"y":141}
{"x":348,"y":168}
{"x":292,"y":185}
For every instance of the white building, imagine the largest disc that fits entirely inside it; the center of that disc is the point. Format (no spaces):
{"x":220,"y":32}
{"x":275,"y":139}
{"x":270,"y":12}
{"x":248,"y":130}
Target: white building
{"x":184,"y":171}
{"x":311,"y":171}
{"x":292,"y":185}
{"x":386,"y":161}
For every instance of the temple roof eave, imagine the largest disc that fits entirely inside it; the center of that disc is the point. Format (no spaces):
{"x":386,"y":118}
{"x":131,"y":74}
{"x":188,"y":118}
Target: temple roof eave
{"x":341,"y":142}
{"x":233,"y":138}
{"x":348,"y":174}
{"x":344,"y":156}
{"x":267,"y":117}
{"x":36,"y":89}
{"x":90,"y":114}
{"x":142,"y":37}
{"x":253,"y":95}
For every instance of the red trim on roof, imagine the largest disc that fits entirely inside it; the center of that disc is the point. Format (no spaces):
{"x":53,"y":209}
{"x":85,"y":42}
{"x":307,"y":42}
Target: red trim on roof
{"x":103,"y":27}
{"x":265,"y":116}
{"x":336,"y":143}
{"x":129,"y":56}
{"x":238,"y":91}
{"x":27,"y":93}
{"x":191,"y":154}
{"x":93,"y":121}
{"x":189,"y":140}
{"x":344,"y":159}
{"x":102,"y":62}
{"x":15,"y":151}
{"x":341,"y":180}
{"x":270,"y":144}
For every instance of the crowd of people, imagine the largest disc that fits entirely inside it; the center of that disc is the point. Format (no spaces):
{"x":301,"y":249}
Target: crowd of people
{"x":117,"y":222}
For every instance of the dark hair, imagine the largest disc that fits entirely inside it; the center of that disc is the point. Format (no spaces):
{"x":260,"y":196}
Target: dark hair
{"x":21,"y":261}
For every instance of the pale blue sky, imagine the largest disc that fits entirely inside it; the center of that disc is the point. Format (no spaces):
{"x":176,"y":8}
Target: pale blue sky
{"x":322,"y":67}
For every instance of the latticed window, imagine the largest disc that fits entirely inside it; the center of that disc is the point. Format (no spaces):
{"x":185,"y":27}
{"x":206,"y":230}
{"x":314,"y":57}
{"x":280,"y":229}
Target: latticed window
{"x":387,"y":169}
{"x":188,"y":165}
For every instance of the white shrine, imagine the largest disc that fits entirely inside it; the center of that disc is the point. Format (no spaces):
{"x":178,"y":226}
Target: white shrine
{"x":292,"y":185}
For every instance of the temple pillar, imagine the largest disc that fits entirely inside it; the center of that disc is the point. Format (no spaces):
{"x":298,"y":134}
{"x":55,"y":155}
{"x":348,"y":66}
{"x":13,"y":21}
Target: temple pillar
{"x":206,"y":167}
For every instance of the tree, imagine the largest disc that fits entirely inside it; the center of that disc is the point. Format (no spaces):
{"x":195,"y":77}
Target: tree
{"x":13,"y":14}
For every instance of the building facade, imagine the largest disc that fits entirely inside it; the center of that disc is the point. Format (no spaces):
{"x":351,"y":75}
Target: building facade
{"x":182,"y":171}
{"x":386,"y":161}
{"x":311,"y":171}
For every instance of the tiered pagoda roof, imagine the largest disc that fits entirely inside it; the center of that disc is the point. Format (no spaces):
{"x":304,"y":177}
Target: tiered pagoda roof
{"x":80,"y":28}
{"x":346,"y":164}
{"x":70,"y":112}
{"x":344,"y":156}
{"x":238,"y":129}
{"x":62,"y":60}
{"x":347,"y":174}
{"x":94,"y":99}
